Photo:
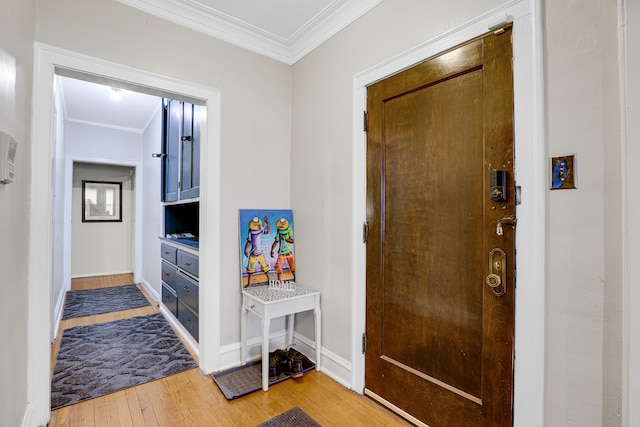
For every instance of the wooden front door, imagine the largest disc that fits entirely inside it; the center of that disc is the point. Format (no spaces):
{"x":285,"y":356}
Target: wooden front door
{"x":440,"y":270}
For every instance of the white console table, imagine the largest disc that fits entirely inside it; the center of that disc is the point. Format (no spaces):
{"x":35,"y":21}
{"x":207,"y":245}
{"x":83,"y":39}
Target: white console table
{"x":269,"y":304}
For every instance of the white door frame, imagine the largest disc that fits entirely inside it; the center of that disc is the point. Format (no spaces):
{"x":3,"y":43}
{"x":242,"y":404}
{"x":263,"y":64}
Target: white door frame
{"x":46,"y":59}
{"x":630,"y":99}
{"x":530,"y":167}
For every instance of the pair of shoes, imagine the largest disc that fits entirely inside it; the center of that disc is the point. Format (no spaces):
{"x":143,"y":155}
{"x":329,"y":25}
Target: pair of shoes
{"x":289,"y":362}
{"x":276,"y":363}
{"x":294,"y":365}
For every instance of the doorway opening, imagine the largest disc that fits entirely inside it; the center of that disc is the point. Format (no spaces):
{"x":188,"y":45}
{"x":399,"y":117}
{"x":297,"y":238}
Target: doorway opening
{"x":91,"y":128}
{"x":50,"y":62}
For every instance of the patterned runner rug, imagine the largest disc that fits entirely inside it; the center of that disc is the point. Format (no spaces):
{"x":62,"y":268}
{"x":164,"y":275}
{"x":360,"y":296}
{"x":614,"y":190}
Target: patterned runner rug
{"x":103,"y":358}
{"x":103,"y":300}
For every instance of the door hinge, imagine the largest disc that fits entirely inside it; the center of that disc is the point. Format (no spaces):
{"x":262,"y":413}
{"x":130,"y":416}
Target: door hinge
{"x":365,"y":232}
{"x":365,"y":121}
{"x":364,"y":342}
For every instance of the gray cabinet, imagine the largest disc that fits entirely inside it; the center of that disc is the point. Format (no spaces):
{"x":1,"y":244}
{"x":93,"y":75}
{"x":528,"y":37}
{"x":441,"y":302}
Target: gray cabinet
{"x":180,"y":151}
{"x":180,"y":286}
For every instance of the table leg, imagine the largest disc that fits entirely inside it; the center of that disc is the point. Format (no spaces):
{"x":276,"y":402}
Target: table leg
{"x":243,"y":335}
{"x":266,"y":321}
{"x":318,"y":324}
{"x":291,"y":318}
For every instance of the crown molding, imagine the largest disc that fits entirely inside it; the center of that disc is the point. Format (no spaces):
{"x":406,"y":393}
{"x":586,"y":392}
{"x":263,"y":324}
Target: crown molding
{"x":312,"y":34}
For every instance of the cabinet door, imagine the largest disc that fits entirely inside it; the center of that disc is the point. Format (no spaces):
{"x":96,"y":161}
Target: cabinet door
{"x":189,"y":320}
{"x":190,"y":173}
{"x":188,"y":262}
{"x":188,"y":291}
{"x":195,"y":151}
{"x":171,"y":150}
{"x":187,"y":151}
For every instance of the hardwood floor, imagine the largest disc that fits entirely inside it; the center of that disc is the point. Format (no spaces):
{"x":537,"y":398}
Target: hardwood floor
{"x":191,"y":398}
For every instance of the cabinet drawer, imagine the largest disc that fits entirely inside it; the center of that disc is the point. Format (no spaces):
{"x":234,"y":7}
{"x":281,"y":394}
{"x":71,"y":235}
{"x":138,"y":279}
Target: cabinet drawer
{"x":168,"y":252}
{"x":189,"y":319}
{"x":170,"y":299}
{"x":187,"y":290}
{"x":169,"y":274}
{"x":188,"y":262}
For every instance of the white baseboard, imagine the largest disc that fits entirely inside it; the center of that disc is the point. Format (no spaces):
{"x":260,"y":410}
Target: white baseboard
{"x":335,"y":367}
{"x":230,"y":354}
{"x":57,"y":314}
{"x":106,"y":273}
{"x":152,"y":292}
{"x":27,"y":419}
{"x":184,"y":334}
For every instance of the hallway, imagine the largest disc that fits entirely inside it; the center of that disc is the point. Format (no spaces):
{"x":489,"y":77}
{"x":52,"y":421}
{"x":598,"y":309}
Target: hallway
{"x":191,"y":398}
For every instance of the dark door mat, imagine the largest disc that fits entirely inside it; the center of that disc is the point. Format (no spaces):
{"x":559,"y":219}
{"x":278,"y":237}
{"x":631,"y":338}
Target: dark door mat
{"x":242,"y":380}
{"x":103,"y":300}
{"x":294,"y":417}
{"x":99,"y":359}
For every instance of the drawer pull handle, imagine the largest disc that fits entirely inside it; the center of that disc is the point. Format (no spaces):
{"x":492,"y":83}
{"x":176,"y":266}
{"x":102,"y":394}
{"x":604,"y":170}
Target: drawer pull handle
{"x":186,"y":289}
{"x":187,"y":263}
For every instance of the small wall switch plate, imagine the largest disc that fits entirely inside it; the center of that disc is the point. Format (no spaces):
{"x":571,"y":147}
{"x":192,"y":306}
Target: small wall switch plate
{"x":563,"y":172}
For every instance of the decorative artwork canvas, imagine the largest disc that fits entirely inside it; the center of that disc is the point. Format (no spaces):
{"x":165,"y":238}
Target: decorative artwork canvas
{"x":563,"y":172}
{"x":266,"y":246}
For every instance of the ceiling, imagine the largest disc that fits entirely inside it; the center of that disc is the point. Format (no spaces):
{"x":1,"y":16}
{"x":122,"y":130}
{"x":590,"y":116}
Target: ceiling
{"x":94,"y":104}
{"x":285,"y":30}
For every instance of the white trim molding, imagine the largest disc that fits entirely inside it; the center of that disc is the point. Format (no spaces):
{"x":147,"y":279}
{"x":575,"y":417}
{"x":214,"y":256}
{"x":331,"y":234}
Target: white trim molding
{"x":47,"y":60}
{"x":530,"y":167}
{"x":199,"y":17}
{"x":629,"y":61}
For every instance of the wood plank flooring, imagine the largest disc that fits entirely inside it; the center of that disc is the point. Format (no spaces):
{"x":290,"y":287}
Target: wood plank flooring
{"x":191,"y":398}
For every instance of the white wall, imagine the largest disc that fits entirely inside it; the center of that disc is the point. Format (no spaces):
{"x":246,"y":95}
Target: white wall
{"x":584,"y":271}
{"x":16,"y":78}
{"x":101,"y":248}
{"x":631,"y":366}
{"x":102,"y":142}
{"x":151,"y":204}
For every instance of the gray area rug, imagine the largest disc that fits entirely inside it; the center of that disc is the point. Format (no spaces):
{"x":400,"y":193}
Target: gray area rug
{"x":103,"y":300}
{"x":103,"y":358}
{"x":294,"y":417}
